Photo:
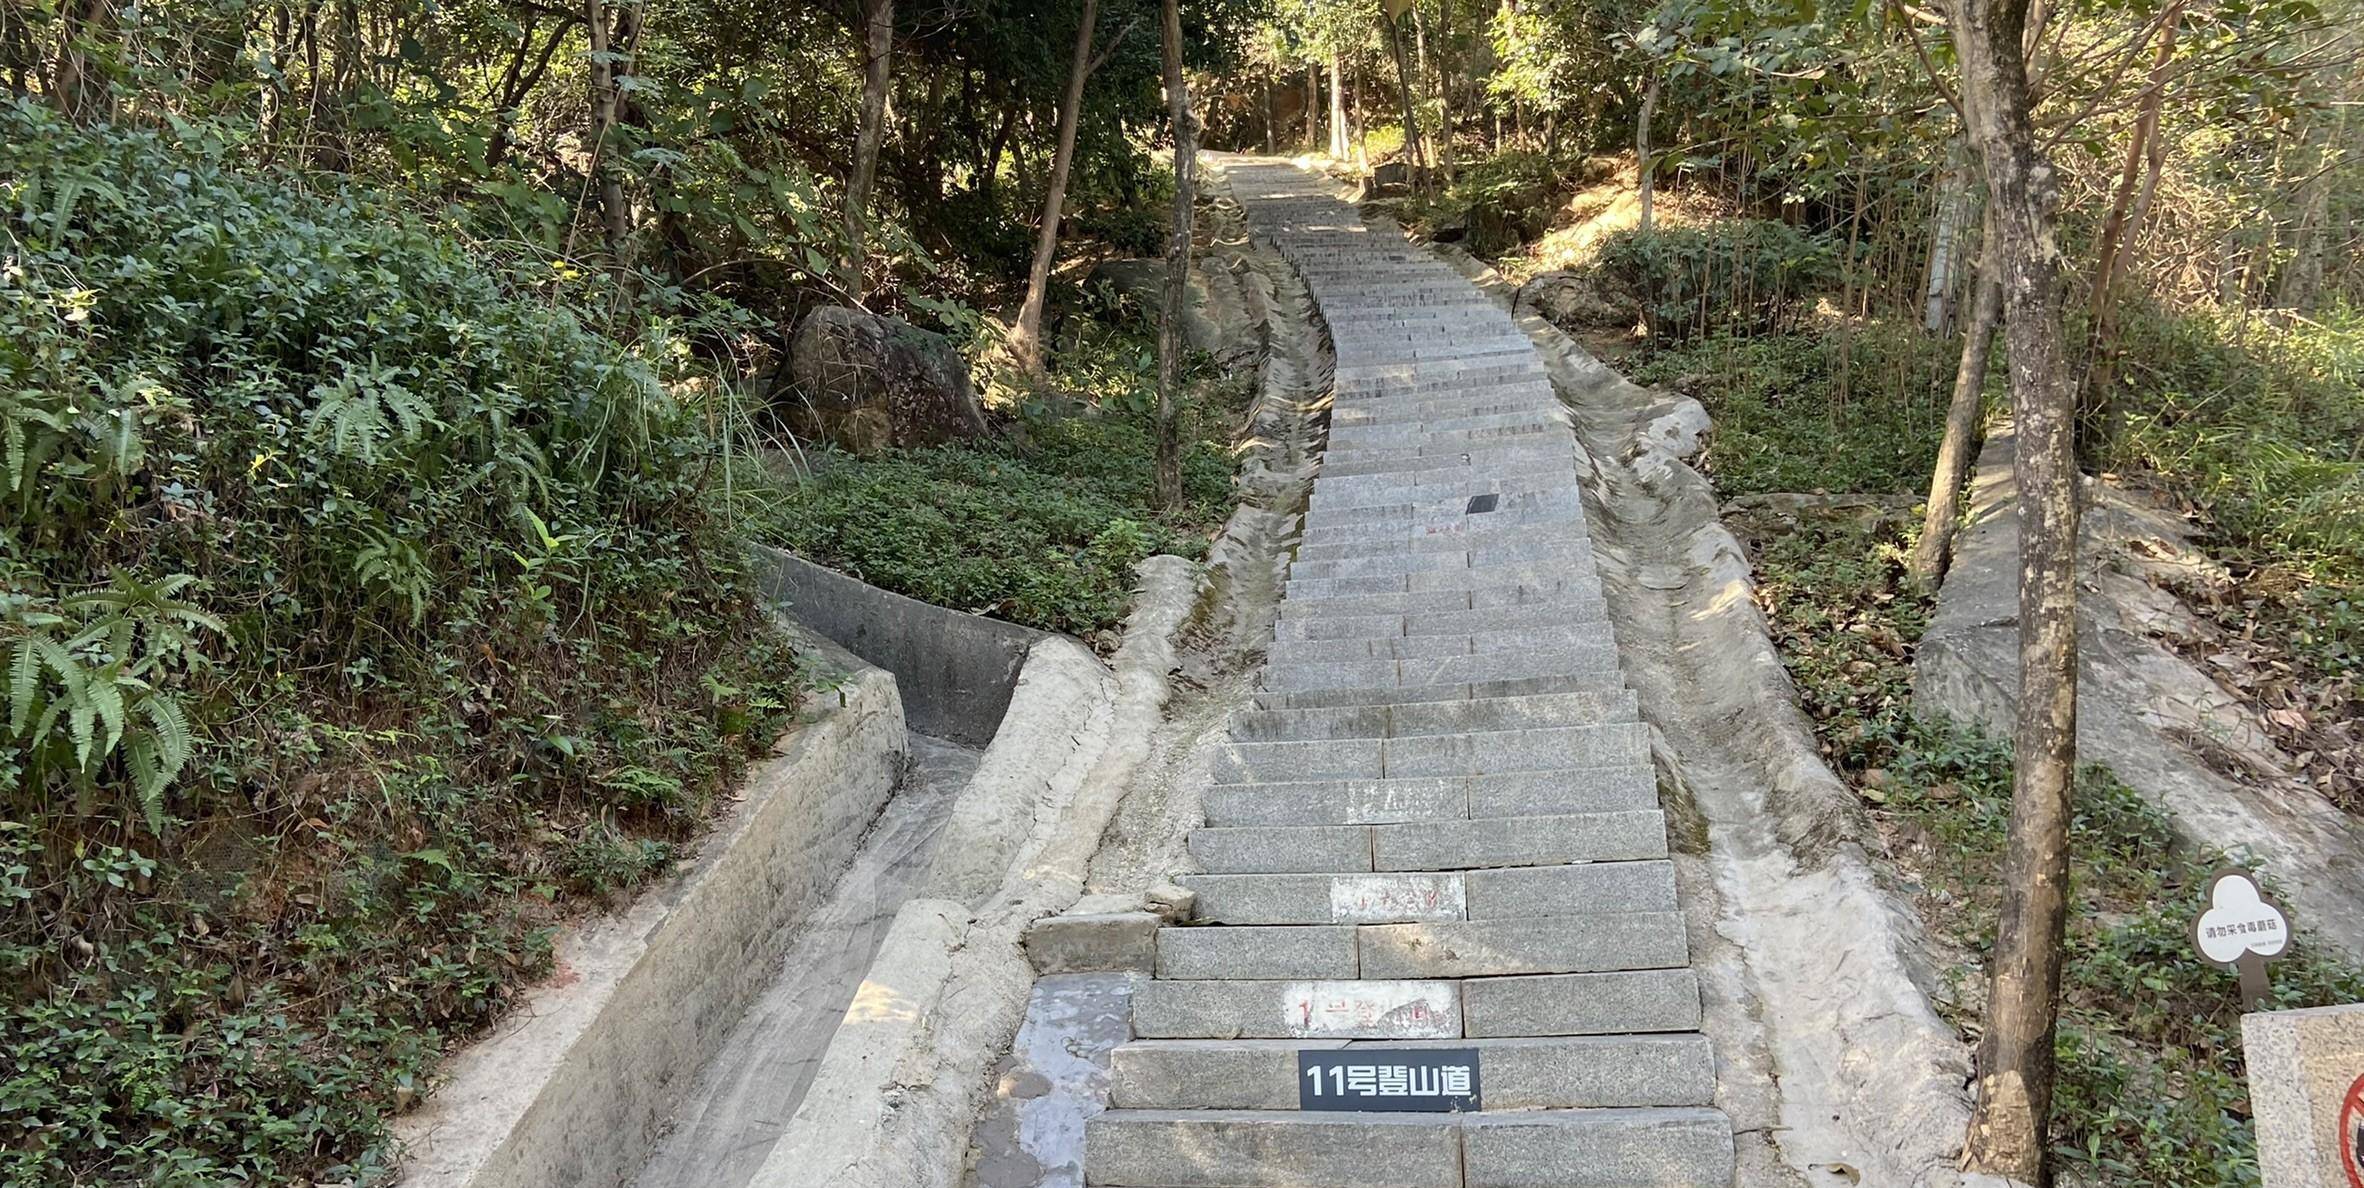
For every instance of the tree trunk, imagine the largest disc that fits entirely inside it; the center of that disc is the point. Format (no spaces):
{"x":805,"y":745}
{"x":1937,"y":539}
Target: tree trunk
{"x":75,"y":85}
{"x":1338,"y":106}
{"x":1954,"y":200}
{"x":1645,"y":168}
{"x":1927,"y":564}
{"x":608,"y":68}
{"x":1026,"y":340}
{"x":2008,"y":1128}
{"x":1444,"y":91}
{"x":1403,"y":90}
{"x":2119,"y":229}
{"x":878,"y":52}
{"x":1169,"y":325}
{"x":2302,"y":281}
{"x":1270,"y":132}
{"x":1313,"y":106}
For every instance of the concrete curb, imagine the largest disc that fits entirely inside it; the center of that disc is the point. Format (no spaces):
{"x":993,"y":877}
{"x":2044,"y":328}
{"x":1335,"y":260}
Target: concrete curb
{"x":1057,"y":723}
{"x":571,"y":1087}
{"x":910,"y":1130}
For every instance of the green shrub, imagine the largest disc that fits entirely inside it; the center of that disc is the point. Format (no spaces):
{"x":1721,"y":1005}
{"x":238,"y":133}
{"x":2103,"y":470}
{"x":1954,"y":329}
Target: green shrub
{"x":343,"y":589}
{"x":1739,"y":276}
{"x":1045,"y":534}
{"x":1842,"y":409}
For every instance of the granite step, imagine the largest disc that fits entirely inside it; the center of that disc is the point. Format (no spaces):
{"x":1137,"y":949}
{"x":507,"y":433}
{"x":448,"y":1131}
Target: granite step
{"x":1584,"y":1148}
{"x":1434,"y":717}
{"x":1462,"y":753}
{"x":1418,"y":896}
{"x":1443,"y":798}
{"x":1543,"y":1072}
{"x":1632,"y":835}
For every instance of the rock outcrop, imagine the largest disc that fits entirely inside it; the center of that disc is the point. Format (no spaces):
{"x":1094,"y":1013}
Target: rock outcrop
{"x":867,"y":382}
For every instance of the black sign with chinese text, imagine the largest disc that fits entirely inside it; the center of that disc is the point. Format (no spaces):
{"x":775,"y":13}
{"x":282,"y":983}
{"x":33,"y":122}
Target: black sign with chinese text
{"x":1426,"y":1080}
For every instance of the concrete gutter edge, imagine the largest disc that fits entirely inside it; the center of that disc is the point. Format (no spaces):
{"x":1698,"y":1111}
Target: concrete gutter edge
{"x":957,"y":670}
{"x":542,"y":1102}
{"x":910,"y":1093}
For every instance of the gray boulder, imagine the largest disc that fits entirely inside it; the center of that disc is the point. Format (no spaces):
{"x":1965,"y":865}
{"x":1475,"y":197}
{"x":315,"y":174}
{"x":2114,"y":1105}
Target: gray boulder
{"x":866,"y":382}
{"x":1578,"y":299}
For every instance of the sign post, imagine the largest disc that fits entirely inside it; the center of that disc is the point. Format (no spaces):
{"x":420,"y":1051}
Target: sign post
{"x":2242,"y":929}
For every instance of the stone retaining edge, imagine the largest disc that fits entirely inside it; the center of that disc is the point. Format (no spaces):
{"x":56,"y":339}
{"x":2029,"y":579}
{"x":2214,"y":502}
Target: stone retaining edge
{"x":571,"y":1088}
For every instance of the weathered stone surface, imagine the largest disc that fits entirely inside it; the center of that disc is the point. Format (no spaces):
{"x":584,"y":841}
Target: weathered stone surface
{"x":1309,"y":1009}
{"x":1549,"y":1072}
{"x":1582,"y":1004}
{"x":1596,"y":1148}
{"x":866,"y":382}
{"x":1093,"y":941}
{"x":1590,"y":943}
{"x":1227,"y":1149}
{"x":2301,"y":1067}
{"x":1257,"y":954}
{"x":1520,"y":841}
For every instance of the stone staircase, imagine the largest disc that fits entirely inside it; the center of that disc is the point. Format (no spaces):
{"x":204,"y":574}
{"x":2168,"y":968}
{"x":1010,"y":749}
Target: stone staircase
{"x":1438,"y":827}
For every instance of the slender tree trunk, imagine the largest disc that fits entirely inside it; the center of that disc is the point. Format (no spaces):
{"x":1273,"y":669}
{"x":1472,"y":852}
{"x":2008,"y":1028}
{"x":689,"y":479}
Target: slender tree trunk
{"x":2302,"y":281}
{"x":2123,"y":224}
{"x":1362,"y":131}
{"x":1169,"y":326}
{"x":1270,"y":132}
{"x":75,"y":85}
{"x":1313,"y":106}
{"x":1954,"y":201}
{"x":1026,"y":340}
{"x":1403,"y":90}
{"x":1338,"y":106}
{"x":608,"y":67}
{"x":878,"y":54}
{"x":2008,"y":1128}
{"x":1445,"y":78}
{"x":1960,"y":445}
{"x":1645,"y":166}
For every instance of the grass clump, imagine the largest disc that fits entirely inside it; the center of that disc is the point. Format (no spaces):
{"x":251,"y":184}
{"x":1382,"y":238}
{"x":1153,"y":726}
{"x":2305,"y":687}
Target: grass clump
{"x":360,"y":615}
{"x":1834,"y":409}
{"x":2151,"y":1089}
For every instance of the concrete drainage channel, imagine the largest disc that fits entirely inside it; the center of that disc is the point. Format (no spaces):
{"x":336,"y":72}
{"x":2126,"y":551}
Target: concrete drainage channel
{"x":872,"y":881}
{"x":821,"y":996}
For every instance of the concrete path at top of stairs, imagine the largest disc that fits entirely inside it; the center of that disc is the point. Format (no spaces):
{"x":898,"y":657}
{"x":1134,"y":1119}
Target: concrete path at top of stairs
{"x":1438,"y":826}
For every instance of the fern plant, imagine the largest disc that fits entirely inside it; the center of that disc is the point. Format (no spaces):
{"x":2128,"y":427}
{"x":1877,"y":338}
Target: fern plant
{"x":86,"y":695}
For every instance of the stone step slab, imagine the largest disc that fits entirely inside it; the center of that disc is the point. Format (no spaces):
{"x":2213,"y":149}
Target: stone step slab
{"x":1594,"y":942}
{"x":1626,"y":1002}
{"x":1240,"y":1149}
{"x":1478,"y":752}
{"x":1431,"y":845}
{"x":1407,"y":896}
{"x":1383,"y":802}
{"x":1547,"y":1072}
{"x":1303,"y":1009}
{"x":1270,"y":849}
{"x":1596,"y":1148}
{"x":1434,"y":717}
{"x":1317,"y":953}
